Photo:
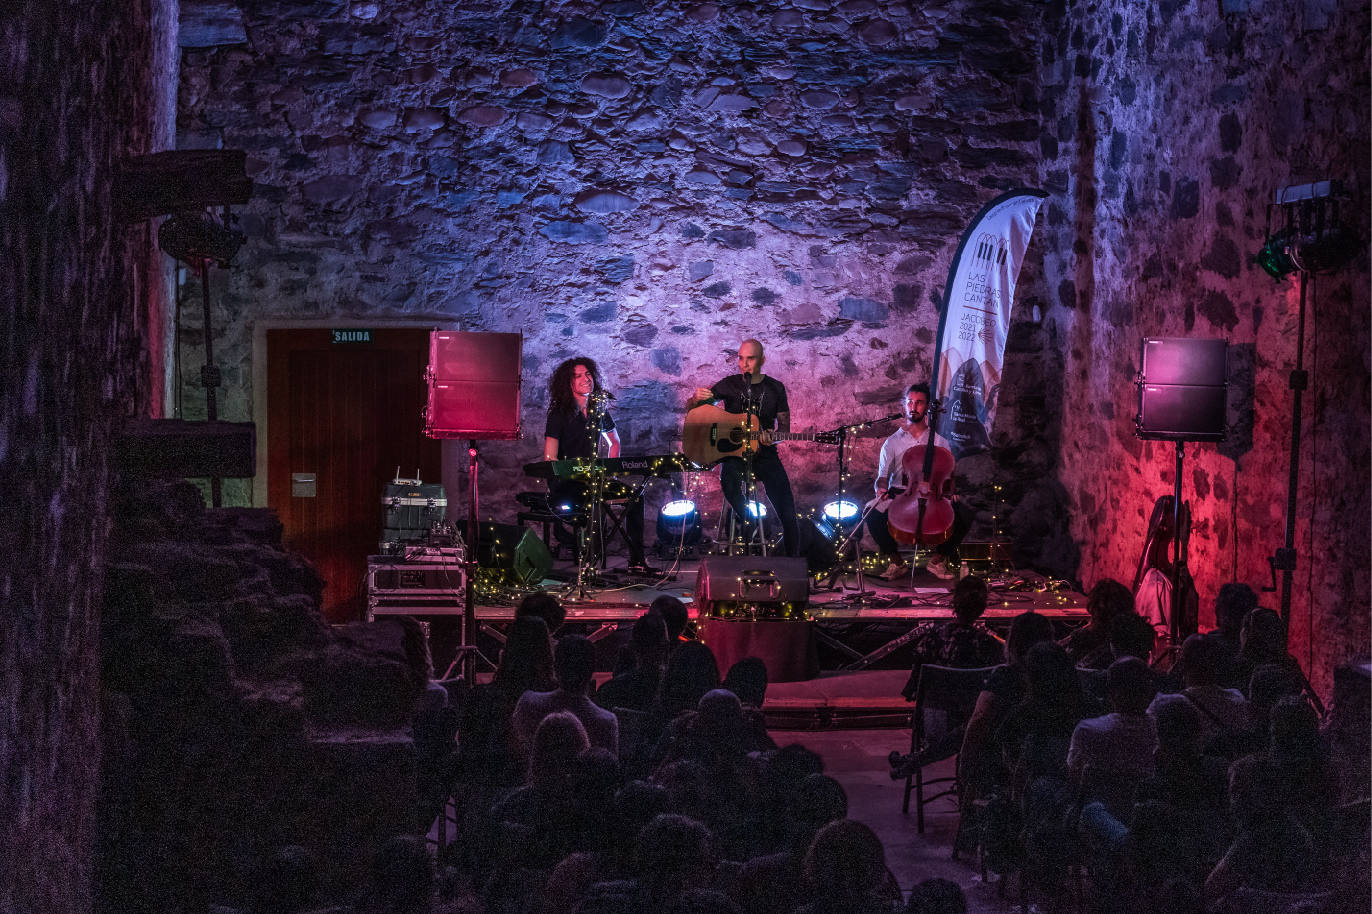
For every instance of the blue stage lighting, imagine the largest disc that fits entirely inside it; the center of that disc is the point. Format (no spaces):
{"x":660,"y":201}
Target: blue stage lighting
{"x":678,"y":524}
{"x":843,"y":513}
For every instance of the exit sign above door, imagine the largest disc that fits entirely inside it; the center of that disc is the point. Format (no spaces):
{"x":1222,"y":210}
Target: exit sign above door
{"x":352,"y":335}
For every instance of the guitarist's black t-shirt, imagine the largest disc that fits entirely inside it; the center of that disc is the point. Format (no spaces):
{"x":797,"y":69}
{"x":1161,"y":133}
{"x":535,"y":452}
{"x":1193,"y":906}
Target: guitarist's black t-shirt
{"x":768,"y":396}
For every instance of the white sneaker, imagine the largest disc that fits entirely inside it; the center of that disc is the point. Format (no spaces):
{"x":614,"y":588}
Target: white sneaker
{"x":938,"y":567}
{"x":895,"y":571}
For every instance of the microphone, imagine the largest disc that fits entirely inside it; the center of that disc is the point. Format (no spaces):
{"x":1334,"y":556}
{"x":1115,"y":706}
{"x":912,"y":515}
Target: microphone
{"x":748,"y":376}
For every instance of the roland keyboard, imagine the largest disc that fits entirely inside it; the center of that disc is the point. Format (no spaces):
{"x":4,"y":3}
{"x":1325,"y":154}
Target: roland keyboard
{"x":648,"y":465}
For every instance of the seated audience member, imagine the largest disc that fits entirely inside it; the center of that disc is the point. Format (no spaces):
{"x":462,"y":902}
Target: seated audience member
{"x":1036,"y":733}
{"x":635,"y":805}
{"x":402,"y":879}
{"x":963,"y":642}
{"x":1296,"y":763}
{"x":691,"y":672}
{"x":936,"y":896}
{"x":1122,"y":744}
{"x":980,"y":765}
{"x":545,"y":606}
{"x":286,"y":882}
{"x":1108,"y":758}
{"x":488,"y":755}
{"x":1186,"y":779}
{"x":1232,"y":605}
{"x":675,"y":854}
{"x":675,"y":614}
{"x":1089,"y":646}
{"x":1271,"y":852}
{"x":1262,"y":640}
{"x":772,"y":883}
{"x":636,"y":687}
{"x":780,"y":772}
{"x":747,"y":679}
{"x":574,"y":665}
{"x":845,"y":871}
{"x":557,"y":742}
{"x":1130,"y":636}
{"x":715,"y":734}
{"x":1224,"y":713}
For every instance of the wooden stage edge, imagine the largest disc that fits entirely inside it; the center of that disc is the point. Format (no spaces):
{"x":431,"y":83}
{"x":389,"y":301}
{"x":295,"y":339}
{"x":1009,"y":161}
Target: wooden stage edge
{"x":923,"y":604}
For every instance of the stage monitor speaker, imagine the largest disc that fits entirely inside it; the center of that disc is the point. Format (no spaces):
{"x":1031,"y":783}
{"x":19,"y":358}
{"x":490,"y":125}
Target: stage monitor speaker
{"x":763,"y":587}
{"x":473,"y":381}
{"x":1182,"y":390}
{"x":513,"y":553}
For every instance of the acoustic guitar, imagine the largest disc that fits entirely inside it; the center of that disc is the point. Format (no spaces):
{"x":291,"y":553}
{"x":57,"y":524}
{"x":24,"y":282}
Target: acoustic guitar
{"x":710,"y":434}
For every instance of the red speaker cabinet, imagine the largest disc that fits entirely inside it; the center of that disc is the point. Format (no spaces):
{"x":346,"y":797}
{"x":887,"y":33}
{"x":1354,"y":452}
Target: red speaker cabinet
{"x":1182,"y":390}
{"x":473,"y":381}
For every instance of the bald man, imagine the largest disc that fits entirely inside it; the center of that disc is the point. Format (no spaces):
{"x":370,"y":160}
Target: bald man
{"x":768,"y":397}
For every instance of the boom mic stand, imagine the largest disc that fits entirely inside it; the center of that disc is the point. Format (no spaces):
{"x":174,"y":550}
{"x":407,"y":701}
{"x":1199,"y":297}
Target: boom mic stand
{"x":854,"y":536}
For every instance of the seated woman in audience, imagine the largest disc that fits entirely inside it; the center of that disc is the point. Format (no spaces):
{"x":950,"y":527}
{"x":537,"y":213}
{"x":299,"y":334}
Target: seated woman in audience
{"x":1262,"y":640}
{"x":675,"y":854}
{"x":772,"y":883}
{"x":488,"y":756}
{"x":1035,"y":734}
{"x":845,"y":871}
{"x":1089,"y":646}
{"x":980,"y":765}
{"x":691,"y":672}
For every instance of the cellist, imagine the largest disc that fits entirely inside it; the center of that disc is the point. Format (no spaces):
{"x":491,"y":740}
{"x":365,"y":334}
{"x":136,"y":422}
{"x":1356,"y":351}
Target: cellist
{"x":913,"y":430}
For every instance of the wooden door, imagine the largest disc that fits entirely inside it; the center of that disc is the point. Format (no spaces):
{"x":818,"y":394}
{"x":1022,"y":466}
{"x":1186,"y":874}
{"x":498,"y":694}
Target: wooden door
{"x":346,"y":407}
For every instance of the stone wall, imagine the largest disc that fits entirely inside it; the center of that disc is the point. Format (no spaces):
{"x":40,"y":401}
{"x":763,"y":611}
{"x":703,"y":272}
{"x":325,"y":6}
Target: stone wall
{"x":643,"y":183}
{"x":646,"y":183}
{"x":81,"y":84}
{"x":1167,"y":129}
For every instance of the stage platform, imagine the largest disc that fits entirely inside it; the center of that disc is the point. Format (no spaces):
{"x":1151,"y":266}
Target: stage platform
{"x":855,"y":630}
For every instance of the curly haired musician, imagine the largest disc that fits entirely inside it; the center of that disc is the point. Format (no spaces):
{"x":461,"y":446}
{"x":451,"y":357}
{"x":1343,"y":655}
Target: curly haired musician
{"x":768,"y":397}
{"x":578,"y":421}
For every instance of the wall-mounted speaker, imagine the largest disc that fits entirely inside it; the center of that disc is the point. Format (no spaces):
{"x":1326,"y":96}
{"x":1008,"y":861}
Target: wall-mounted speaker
{"x":1182,"y":389}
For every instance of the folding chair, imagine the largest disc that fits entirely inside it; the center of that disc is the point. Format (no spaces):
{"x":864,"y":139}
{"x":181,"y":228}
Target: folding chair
{"x":954,"y":692}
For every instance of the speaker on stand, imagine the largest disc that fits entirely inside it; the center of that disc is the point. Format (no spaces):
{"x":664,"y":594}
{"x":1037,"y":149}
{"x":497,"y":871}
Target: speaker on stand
{"x":1182,"y":385}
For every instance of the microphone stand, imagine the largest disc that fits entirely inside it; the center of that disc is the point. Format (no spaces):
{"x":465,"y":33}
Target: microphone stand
{"x":854,"y":536}
{"x":592,"y":535}
{"x":750,"y":436}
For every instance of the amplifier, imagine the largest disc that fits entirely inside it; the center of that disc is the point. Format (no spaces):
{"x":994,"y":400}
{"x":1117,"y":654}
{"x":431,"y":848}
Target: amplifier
{"x":415,"y":579}
{"x":769,"y":587}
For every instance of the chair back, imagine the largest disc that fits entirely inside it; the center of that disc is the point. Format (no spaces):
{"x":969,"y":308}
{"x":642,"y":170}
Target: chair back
{"x":950,"y":689}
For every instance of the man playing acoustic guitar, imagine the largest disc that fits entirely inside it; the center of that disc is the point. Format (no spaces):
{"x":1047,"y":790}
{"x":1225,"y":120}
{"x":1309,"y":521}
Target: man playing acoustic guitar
{"x":766,"y":396}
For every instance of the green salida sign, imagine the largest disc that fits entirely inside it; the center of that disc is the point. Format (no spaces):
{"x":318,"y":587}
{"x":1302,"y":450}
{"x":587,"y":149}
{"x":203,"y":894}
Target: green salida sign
{"x":352,"y":335}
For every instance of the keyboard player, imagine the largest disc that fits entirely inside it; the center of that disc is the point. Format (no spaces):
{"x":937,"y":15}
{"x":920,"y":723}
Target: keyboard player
{"x":579,"y":425}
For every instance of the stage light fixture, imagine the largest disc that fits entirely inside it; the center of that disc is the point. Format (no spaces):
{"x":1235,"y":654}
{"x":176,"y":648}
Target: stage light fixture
{"x":678,"y":524}
{"x":843,"y":514}
{"x":1312,"y":239}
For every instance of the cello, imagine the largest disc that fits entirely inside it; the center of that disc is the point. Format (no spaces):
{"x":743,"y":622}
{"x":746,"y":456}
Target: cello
{"x":922,"y":515}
